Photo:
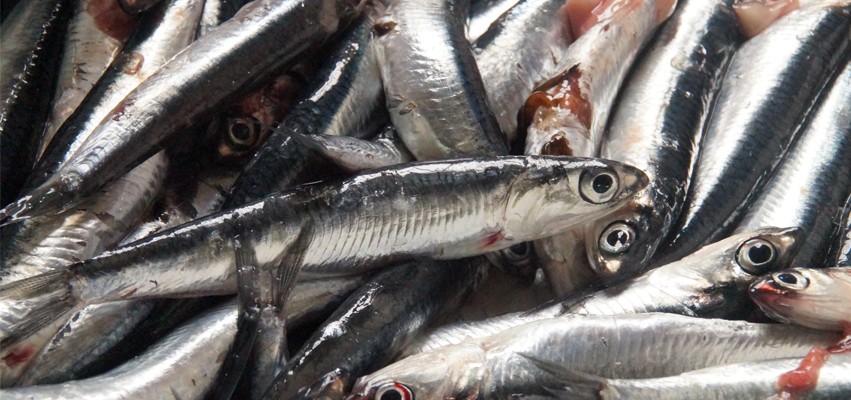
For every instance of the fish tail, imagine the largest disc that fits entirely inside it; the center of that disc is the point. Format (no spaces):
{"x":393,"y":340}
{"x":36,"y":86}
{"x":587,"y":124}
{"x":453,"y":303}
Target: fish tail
{"x":52,"y":295}
{"x":571,"y":384}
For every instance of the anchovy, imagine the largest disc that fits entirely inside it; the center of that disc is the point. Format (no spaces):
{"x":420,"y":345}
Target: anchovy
{"x":434,"y":94}
{"x":483,"y":13}
{"x":182,"y":365}
{"x":96,"y":34}
{"x":160,"y":36}
{"x":758,"y":114}
{"x":265,"y":35}
{"x":374,"y":324}
{"x":815,"y":298}
{"x":814,"y":179}
{"x":357,"y":224}
{"x":623,"y":346}
{"x":343,"y":99}
{"x":32,"y":39}
{"x":355,"y":155}
{"x":657,"y":126}
{"x":752,"y":380}
{"x":711,"y":283}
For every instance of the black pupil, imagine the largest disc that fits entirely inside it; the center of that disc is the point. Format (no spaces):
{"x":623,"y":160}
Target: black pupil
{"x":759,"y":254}
{"x":240,"y":131}
{"x":602,"y":183}
{"x":519,"y":249}
{"x":616,"y":238}
{"x":787,"y":278}
{"x":392,"y":394}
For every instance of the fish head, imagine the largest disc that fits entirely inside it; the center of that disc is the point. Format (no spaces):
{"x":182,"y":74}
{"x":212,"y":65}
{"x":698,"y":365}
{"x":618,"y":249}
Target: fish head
{"x":518,"y":260}
{"x":449,"y":372}
{"x":557,"y":193}
{"x":815,"y":298}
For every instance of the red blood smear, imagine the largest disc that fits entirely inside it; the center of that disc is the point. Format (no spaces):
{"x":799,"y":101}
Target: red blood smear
{"x":492,"y":239}
{"x":111,"y":19}
{"x":18,"y":356}
{"x":806,"y":375}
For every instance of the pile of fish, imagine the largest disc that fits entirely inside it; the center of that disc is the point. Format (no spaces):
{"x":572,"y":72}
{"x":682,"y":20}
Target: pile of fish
{"x":425,"y":199}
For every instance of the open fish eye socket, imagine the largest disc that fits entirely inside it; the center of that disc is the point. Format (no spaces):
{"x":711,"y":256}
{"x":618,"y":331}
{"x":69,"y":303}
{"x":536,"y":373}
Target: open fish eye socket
{"x":598,"y":186}
{"x":393,"y":391}
{"x":791,"y":280}
{"x":617,"y":238}
{"x":756,"y":255}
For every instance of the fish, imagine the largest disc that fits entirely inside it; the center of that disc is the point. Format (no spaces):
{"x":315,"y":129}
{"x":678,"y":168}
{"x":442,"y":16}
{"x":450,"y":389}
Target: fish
{"x":657,"y":124}
{"x":356,"y":155}
{"x":815,"y":298}
{"x":263,"y":36}
{"x":814,"y":179}
{"x":742,"y":146}
{"x":182,"y":365}
{"x":343,"y":98}
{"x":444,"y":210}
{"x":711,"y":283}
{"x":435,"y":95}
{"x":756,"y":379}
{"x":483,"y":13}
{"x":160,"y":35}
{"x":374,"y":324}
{"x":96,"y":33}
{"x":508,"y":363}
{"x":32,"y":37}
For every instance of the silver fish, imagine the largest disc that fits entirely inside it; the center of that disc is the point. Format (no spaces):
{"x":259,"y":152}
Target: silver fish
{"x":757,"y":116}
{"x":711,"y":283}
{"x":483,"y":13}
{"x":182,"y":365}
{"x":657,"y":125}
{"x":815,"y":298}
{"x":814,"y":179}
{"x":623,"y":346}
{"x":435,"y":94}
{"x":355,"y":155}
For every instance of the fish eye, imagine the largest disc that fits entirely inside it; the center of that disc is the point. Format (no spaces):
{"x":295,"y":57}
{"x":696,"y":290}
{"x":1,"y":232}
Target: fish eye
{"x":393,"y":391}
{"x":617,"y":238}
{"x":517,"y":253}
{"x":598,"y":186}
{"x":756,"y":255}
{"x":243,"y":131}
{"x":791,"y":280}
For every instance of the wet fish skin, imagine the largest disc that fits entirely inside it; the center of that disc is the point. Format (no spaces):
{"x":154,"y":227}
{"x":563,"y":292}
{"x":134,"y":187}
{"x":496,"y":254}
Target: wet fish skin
{"x":815,"y":298}
{"x":434,"y":94}
{"x":742,"y":146}
{"x":343,"y":99}
{"x":182,"y":365}
{"x":166,"y":103}
{"x":713,"y":282}
{"x":757,"y":379}
{"x":843,"y":238}
{"x":657,"y":125}
{"x":355,"y":155}
{"x":809,"y":186}
{"x":483,"y":13}
{"x":612,"y":346}
{"x":159,"y":36}
{"x":32,"y":38}
{"x":216,"y":12}
{"x":374,"y":324}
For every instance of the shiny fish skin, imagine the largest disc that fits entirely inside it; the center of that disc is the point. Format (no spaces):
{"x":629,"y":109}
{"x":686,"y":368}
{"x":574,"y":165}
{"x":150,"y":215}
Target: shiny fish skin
{"x":216,"y":12}
{"x":623,"y":346}
{"x":265,"y":35}
{"x":374,"y":324}
{"x":657,"y":126}
{"x":355,"y":155}
{"x":843,"y":243}
{"x":91,"y":46}
{"x":522,"y":49}
{"x":751,"y":380}
{"x":815,"y":298}
{"x":32,"y":38}
{"x":182,"y":365}
{"x":814,"y":179}
{"x":711,"y":283}
{"x":483,"y":14}
{"x":159,"y":36}
{"x":342,"y":99}
{"x":434,"y":94}
{"x":757,"y":115}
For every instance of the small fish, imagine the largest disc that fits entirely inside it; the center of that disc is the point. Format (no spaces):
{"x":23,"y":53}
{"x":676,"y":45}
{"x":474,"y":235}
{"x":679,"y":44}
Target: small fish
{"x":815,"y":298}
{"x":355,"y":155}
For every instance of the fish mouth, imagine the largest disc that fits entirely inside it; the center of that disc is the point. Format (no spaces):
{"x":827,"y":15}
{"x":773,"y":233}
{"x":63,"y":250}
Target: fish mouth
{"x":766,"y":287}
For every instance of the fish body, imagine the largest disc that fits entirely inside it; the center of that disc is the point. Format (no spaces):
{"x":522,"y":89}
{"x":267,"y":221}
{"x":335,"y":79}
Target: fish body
{"x":757,"y":115}
{"x":483,"y":13}
{"x":355,"y":155}
{"x":657,"y":124}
